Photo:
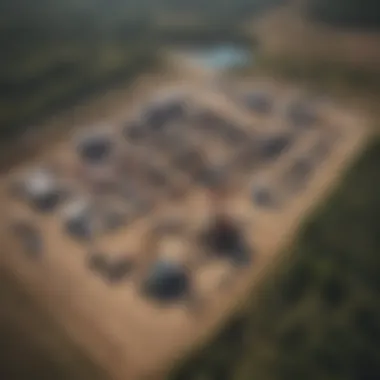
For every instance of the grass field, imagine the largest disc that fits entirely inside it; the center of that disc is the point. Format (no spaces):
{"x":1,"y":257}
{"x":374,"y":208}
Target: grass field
{"x":318,"y":317}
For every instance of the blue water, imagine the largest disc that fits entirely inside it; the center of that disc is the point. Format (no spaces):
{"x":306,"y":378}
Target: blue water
{"x":221,"y":56}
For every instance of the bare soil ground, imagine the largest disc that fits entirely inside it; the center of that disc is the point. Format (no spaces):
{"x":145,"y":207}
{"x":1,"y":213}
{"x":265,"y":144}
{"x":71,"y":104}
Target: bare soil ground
{"x":286,"y":33}
{"x":130,"y":336}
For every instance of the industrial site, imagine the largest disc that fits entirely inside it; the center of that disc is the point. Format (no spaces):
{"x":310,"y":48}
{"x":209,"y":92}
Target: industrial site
{"x":142,"y":234}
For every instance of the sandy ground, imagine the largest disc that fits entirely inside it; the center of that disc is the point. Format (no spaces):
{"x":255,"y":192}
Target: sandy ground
{"x":130,"y":336}
{"x":286,"y":33}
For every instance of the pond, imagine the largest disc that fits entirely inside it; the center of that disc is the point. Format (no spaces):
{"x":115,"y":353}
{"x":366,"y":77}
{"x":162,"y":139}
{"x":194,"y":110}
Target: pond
{"x":220,"y":56}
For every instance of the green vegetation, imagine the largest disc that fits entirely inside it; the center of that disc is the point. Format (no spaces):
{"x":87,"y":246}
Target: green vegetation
{"x":47,"y":65}
{"x":318,"y":317}
{"x":54,"y":52}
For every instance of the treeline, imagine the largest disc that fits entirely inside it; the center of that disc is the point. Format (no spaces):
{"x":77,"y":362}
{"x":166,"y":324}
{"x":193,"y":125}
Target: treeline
{"x":231,"y":11}
{"x":55,"y":50}
{"x":318,"y":317}
{"x":347,"y":13}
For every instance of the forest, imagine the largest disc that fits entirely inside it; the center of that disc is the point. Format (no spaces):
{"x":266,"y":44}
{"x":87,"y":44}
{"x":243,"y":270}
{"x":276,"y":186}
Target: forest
{"x":56,"y":52}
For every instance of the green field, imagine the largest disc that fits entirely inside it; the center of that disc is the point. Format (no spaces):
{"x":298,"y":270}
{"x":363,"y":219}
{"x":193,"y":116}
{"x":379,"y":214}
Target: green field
{"x":318,"y":317}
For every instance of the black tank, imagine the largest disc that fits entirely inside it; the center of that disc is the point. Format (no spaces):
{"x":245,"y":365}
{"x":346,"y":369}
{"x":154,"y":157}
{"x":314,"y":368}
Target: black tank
{"x":167,"y":281}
